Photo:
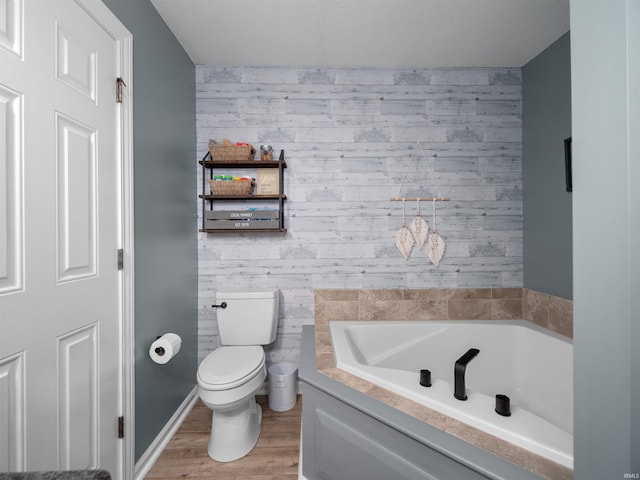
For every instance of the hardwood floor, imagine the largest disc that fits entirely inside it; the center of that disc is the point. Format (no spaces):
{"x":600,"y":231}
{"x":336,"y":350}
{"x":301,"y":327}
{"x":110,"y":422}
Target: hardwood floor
{"x":275,"y":457}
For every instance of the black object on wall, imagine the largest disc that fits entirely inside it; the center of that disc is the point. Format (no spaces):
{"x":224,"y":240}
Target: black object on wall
{"x":567,"y":164}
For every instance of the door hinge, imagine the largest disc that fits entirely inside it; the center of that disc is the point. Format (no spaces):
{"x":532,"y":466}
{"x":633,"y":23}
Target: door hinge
{"x":119,"y":84}
{"x":120,"y":427}
{"x":120,"y":259}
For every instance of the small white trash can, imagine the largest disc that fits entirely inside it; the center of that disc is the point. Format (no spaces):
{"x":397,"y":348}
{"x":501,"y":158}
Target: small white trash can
{"x":283,"y":386}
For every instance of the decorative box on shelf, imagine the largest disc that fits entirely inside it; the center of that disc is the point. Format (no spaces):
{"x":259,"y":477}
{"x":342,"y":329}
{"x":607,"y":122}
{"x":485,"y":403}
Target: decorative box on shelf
{"x":241,"y":219}
{"x":268,"y":181}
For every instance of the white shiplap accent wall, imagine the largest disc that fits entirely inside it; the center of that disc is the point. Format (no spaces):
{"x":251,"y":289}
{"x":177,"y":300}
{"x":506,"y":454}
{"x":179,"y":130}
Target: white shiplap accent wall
{"x":350,"y":138}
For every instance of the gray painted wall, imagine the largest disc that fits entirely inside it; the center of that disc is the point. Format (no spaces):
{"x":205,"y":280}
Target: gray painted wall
{"x":605,"y":39}
{"x":350,"y":138}
{"x":546,"y":122}
{"x":165,"y":215}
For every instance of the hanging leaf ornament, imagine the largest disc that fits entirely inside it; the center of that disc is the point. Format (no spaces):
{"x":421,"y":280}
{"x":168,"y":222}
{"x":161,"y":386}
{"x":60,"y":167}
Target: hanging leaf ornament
{"x":404,"y":242}
{"x":404,"y":238}
{"x":419,"y":228}
{"x":436,"y":243}
{"x":436,"y":248}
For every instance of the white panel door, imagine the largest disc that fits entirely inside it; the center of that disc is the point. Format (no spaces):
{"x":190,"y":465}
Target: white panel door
{"x":60,"y":229}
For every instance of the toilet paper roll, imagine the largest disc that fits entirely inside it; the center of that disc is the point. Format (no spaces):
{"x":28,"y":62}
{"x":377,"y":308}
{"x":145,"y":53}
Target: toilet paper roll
{"x":165,"y":348}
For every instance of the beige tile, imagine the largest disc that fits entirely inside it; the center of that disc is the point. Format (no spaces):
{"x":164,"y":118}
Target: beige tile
{"x":380,"y":310}
{"x":325,"y":361}
{"x":499,"y":293}
{"x":506,"y":309}
{"x":425,"y":309}
{"x":328,"y":311}
{"x":535,"y":307}
{"x":379,"y":304}
{"x":321,"y":317}
{"x":469,"y":310}
{"x":469,"y":293}
{"x":425,"y":294}
{"x":561,"y":316}
{"x":323,"y":342}
{"x":321,"y":327}
{"x":379,"y":295}
{"x":561,"y":304}
{"x":335,"y":295}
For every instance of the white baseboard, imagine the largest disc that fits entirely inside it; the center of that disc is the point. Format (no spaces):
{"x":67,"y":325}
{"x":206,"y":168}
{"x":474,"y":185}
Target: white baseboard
{"x":151,"y":455}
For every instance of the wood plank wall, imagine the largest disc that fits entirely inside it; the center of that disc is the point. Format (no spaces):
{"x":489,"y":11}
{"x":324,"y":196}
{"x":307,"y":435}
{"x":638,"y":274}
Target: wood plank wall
{"x":352,"y":139}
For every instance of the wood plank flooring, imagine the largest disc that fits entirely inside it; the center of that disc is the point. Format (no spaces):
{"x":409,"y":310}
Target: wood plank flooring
{"x":275,"y":457}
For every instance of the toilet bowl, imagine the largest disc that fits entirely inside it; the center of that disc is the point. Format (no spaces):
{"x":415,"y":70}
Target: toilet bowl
{"x":230,"y":376}
{"x":228,"y":379}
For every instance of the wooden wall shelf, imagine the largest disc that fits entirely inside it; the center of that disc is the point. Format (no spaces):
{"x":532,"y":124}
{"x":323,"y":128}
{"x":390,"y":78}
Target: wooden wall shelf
{"x":208,"y":200}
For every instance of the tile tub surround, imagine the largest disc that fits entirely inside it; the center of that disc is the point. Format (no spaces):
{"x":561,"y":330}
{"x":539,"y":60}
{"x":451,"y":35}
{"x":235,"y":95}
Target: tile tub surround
{"x":545,"y":310}
{"x":368,"y":305}
{"x":548,"y":311}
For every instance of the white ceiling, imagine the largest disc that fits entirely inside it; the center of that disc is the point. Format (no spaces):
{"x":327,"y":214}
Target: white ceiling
{"x":365,"y":33}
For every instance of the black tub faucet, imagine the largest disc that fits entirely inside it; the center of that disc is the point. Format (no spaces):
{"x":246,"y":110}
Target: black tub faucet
{"x":458,"y":373}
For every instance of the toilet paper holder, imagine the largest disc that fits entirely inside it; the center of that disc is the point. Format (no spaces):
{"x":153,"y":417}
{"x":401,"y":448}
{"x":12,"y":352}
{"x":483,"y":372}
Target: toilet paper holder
{"x":165,"y":347}
{"x":159,"y":350}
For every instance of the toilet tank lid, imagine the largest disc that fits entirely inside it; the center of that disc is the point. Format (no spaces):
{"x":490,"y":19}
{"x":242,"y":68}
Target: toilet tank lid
{"x":246,"y":294}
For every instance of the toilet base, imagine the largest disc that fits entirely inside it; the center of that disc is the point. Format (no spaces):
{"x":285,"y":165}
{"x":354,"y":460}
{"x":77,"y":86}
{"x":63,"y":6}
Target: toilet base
{"x":235,"y":432}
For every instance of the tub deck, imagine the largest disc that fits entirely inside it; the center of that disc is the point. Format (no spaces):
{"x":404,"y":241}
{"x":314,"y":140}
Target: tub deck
{"x":391,"y":353}
{"x":326,"y":365}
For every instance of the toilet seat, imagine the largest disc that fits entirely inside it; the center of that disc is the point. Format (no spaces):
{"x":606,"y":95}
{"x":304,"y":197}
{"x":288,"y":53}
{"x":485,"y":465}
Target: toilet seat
{"x":228,"y":367}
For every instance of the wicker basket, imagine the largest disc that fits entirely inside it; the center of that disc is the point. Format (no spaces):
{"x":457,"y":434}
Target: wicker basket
{"x":231,"y":153}
{"x":231,"y":188}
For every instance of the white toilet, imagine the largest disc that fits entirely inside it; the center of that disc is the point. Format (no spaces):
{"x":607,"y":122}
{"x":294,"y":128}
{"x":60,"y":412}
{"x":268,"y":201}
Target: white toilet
{"x":230,"y":376}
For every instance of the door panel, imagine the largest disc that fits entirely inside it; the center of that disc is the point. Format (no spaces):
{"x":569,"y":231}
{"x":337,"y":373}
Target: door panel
{"x":11,"y":29}
{"x":76,"y":204}
{"x":78,"y":379}
{"x":75,"y":62}
{"x":60,"y":229}
{"x":11,"y":259}
{"x":12,"y":412}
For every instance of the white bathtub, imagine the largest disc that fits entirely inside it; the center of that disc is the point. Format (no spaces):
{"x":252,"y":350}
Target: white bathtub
{"x":531,"y":365}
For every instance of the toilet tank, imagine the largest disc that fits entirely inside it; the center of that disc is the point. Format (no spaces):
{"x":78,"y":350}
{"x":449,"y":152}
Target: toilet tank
{"x":250,"y":318}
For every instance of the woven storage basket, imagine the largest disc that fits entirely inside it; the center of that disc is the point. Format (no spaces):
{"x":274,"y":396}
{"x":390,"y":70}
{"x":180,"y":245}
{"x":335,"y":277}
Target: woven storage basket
{"x":231,"y":153}
{"x":222,"y":187}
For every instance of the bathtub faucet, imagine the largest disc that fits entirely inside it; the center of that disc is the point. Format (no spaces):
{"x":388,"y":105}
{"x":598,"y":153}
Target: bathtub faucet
{"x":459,"y":369}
